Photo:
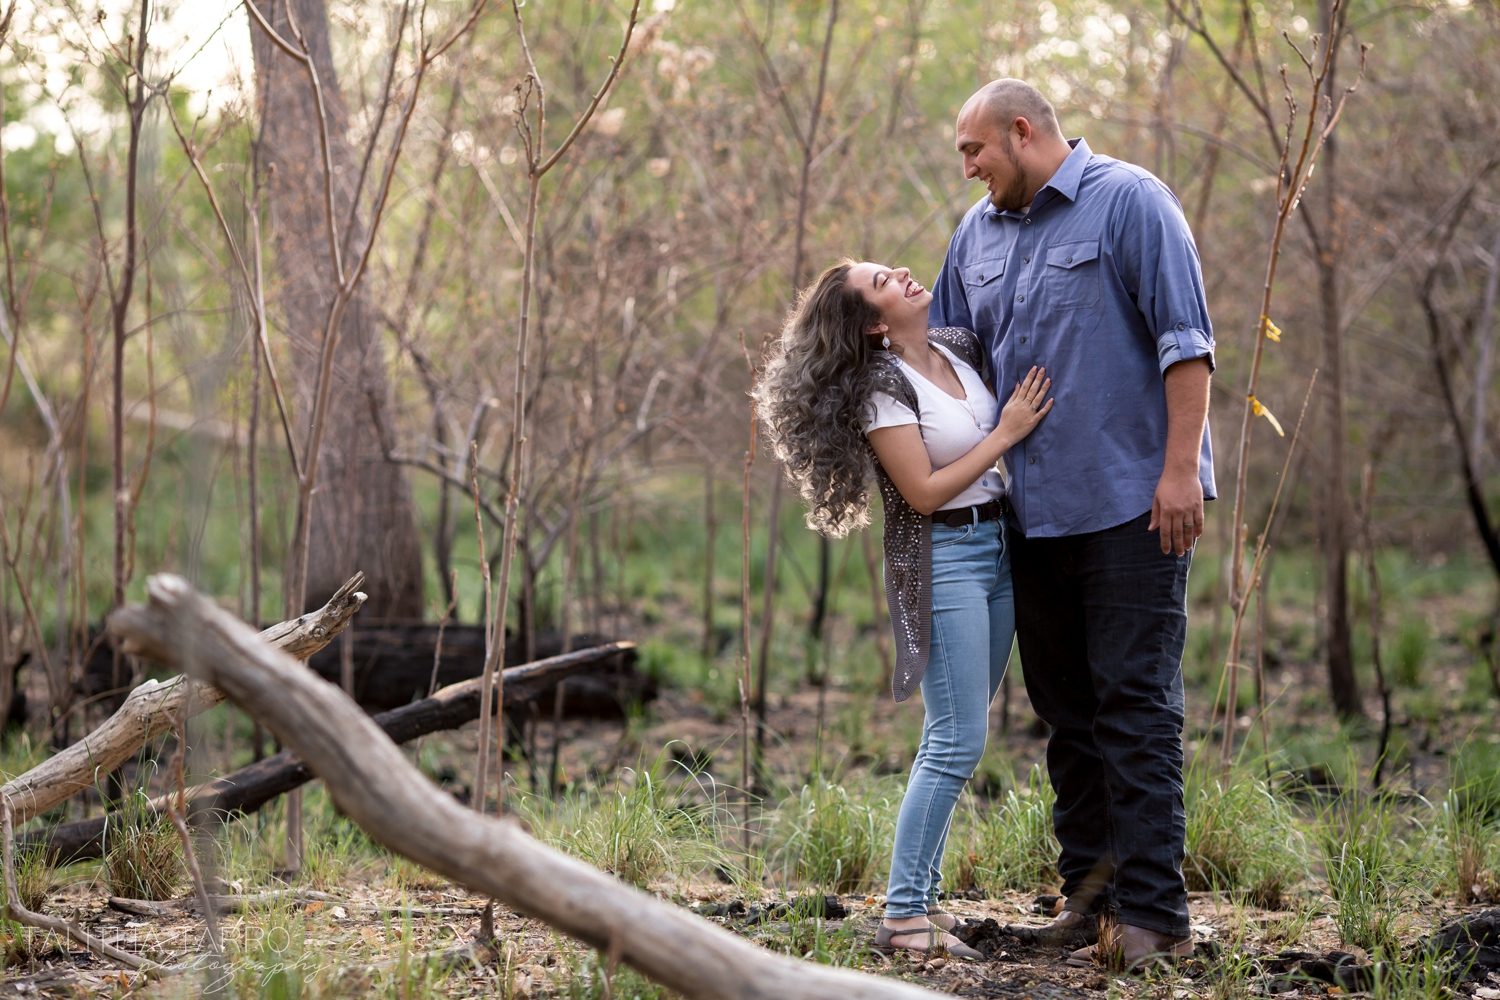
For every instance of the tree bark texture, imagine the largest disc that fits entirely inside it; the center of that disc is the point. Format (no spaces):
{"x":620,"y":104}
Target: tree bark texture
{"x":251,"y":787}
{"x":154,"y":706}
{"x":362,"y":510}
{"x":378,"y":788}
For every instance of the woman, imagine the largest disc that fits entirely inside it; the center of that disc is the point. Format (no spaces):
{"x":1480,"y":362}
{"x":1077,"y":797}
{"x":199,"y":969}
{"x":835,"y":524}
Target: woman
{"x":855,"y":363}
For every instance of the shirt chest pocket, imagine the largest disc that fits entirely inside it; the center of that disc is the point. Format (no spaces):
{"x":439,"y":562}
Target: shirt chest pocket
{"x":982,"y":287}
{"x":1072,"y":278}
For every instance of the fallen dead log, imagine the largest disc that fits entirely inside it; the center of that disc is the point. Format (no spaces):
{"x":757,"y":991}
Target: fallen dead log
{"x":372,"y":781}
{"x":153,"y":706}
{"x":252,"y":786}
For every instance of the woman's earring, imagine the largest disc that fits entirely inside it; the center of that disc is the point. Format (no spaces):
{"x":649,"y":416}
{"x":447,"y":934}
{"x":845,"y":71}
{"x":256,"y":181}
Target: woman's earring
{"x":885,"y":342}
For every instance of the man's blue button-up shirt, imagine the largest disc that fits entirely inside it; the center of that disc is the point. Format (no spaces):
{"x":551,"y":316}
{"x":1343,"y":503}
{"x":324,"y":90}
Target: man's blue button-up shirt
{"x":1100,"y":283}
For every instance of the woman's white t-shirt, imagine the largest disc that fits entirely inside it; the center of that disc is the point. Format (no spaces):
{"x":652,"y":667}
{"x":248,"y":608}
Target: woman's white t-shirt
{"x":950,"y":427}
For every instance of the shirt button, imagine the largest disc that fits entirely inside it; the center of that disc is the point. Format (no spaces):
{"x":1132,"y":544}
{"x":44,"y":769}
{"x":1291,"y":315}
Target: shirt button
{"x":1023,"y":340}
{"x":1182,"y":326}
{"x":1028,"y":222}
{"x":1033,"y":461}
{"x":1026,"y":260}
{"x":1020,"y":298}
{"x":981,"y":277}
{"x":1069,"y":260}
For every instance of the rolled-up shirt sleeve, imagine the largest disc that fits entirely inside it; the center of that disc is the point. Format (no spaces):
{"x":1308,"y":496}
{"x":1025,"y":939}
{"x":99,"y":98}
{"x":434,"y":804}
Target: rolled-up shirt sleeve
{"x":1158,"y":262}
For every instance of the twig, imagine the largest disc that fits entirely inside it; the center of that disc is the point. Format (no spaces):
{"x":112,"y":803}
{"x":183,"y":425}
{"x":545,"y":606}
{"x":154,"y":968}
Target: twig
{"x":487,"y":682}
{"x":1291,"y":183}
{"x":176,"y":811}
{"x":1263,"y":547}
{"x":15,"y":911}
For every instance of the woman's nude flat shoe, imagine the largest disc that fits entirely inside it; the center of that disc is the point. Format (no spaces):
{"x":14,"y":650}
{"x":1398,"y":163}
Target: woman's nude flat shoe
{"x":935,"y":946}
{"x":942,"y":918}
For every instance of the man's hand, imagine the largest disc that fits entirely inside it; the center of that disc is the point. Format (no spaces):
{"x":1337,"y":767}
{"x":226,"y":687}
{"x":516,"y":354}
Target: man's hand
{"x":1177,"y":507}
{"x":1177,"y":511}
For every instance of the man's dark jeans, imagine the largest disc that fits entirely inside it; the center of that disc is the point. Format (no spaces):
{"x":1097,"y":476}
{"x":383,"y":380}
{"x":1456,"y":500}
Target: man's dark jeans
{"x":1101,"y":620}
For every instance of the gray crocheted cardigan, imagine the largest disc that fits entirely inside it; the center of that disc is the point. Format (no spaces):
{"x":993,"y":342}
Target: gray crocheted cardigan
{"x":908,"y":534}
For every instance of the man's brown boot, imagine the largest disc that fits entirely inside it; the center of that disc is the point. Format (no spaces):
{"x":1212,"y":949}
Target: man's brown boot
{"x":1144,"y":948}
{"x":1069,"y":929}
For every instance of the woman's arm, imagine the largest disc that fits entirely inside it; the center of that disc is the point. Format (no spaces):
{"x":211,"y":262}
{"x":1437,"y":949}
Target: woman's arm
{"x":904,"y":457}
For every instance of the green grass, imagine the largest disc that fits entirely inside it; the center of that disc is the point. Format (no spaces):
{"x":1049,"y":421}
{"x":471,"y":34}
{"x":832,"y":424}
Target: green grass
{"x":658,"y":819}
{"x":33,"y":880}
{"x":835,"y":837}
{"x":143,"y":854}
{"x":1241,"y":835}
{"x":1368,"y":867}
{"x":1010,"y":844}
{"x":1410,"y":660}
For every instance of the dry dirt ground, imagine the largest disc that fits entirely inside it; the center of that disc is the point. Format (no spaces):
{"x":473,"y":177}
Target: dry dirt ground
{"x":356,"y":943}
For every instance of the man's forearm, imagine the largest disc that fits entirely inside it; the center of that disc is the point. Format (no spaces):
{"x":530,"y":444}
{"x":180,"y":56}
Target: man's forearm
{"x":1187,"y":413}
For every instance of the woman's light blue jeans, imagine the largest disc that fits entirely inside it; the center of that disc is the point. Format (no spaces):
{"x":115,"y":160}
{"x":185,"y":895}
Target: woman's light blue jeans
{"x":973,"y":625}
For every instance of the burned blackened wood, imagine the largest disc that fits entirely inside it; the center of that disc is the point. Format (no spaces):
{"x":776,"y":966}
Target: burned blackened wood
{"x":251,"y":787}
{"x":393,"y":665}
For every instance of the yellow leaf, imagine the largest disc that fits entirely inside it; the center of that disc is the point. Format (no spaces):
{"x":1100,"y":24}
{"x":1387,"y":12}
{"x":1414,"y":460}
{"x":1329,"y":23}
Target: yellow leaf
{"x":1273,"y":332}
{"x":1261,"y":411}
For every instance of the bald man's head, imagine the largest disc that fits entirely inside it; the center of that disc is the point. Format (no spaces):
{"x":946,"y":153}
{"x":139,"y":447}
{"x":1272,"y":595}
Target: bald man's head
{"x":1001,"y":102}
{"x":1008,"y":135}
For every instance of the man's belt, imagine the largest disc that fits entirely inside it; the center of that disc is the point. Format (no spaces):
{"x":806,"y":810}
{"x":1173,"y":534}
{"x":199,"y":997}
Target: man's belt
{"x":957,"y":517}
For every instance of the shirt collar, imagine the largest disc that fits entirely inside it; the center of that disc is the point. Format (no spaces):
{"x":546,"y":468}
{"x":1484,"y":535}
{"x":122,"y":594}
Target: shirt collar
{"x":1064,"y":180}
{"x":1068,"y":176}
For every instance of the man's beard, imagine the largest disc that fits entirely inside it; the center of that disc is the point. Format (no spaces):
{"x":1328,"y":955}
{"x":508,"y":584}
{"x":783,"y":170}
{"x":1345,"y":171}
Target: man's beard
{"x":1013,"y":198}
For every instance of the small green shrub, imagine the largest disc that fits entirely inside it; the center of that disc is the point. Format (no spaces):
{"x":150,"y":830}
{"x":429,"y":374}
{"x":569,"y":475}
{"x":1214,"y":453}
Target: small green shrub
{"x":143,"y":856}
{"x":1467,"y":843}
{"x":835,"y":836}
{"x":33,"y":879}
{"x":1367,"y":875}
{"x":658,"y":820}
{"x":1411,"y":652}
{"x":1241,"y":835}
{"x":1368,"y":899}
{"x":1011,"y":845}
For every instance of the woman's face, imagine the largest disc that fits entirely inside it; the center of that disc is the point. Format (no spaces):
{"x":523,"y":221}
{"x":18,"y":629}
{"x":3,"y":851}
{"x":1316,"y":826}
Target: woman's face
{"x":892,"y":291}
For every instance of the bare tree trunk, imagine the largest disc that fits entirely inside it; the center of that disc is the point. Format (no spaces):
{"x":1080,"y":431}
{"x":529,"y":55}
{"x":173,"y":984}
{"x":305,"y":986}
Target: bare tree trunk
{"x":1372,"y":574}
{"x":1343,"y":686}
{"x":362,"y":510}
{"x":120,"y":309}
{"x":1486,"y":356}
{"x":710,"y":531}
{"x":767,"y":625}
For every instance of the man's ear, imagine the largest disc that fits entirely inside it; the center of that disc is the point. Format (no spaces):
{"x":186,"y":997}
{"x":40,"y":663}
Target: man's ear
{"x":1024,"y":132}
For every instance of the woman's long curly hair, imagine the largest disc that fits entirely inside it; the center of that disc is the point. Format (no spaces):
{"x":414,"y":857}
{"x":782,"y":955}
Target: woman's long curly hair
{"x":814,"y":396}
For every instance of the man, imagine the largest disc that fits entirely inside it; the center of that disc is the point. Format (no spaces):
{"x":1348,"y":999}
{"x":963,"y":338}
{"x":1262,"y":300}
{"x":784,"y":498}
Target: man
{"x":1084,"y":264}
